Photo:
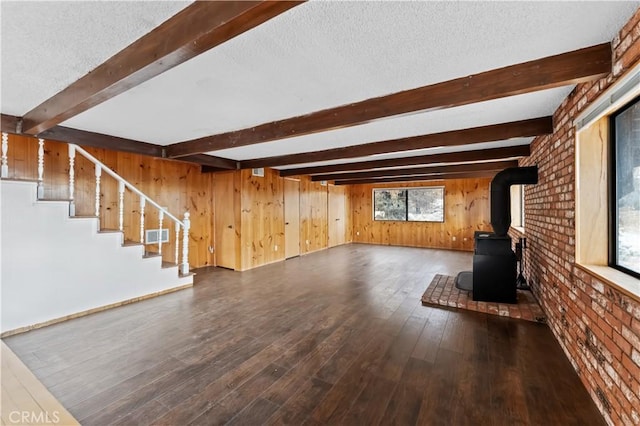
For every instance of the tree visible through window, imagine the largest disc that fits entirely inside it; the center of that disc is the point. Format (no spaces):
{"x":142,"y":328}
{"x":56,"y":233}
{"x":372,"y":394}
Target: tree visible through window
{"x":409,"y":204}
{"x":625,"y":250}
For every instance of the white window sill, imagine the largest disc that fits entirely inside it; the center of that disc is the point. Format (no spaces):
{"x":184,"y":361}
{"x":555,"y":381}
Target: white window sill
{"x":626,"y":283}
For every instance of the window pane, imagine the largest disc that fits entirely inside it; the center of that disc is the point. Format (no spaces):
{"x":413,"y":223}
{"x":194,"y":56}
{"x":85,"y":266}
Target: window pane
{"x":426,"y":204}
{"x":390,"y":204}
{"x":627,"y":188}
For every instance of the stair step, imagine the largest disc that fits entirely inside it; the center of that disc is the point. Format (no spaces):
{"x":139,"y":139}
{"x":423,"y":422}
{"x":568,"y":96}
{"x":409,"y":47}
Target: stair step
{"x":83,"y":217}
{"x":189,"y":274}
{"x":67,"y":200}
{"x":166,"y":264}
{"x":108,"y":231}
{"x":130,"y":243}
{"x":148,"y":254}
{"x":20,"y":180}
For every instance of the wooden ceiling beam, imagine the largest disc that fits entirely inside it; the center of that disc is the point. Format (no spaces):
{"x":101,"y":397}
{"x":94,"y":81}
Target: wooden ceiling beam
{"x":211,"y":162}
{"x":456,"y":168}
{"x":192,"y":31}
{"x":491,"y":133}
{"x":114,"y":143}
{"x":421,"y":178}
{"x":9,"y":123}
{"x":554,"y":71}
{"x":449,"y":157}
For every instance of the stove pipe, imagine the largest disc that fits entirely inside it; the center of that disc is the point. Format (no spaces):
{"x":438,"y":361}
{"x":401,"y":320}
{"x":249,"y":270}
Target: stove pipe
{"x":501,"y":195}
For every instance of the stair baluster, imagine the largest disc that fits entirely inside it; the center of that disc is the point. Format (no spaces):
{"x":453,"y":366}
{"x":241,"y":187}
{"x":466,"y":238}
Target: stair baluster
{"x":40,"y":168}
{"x":121,"y":205}
{"x":177,"y":243}
{"x":72,"y":180}
{"x":185,"y":243}
{"x":142,"y":204}
{"x":98,"y":174}
{"x":5,"y":162}
{"x":160,"y":217}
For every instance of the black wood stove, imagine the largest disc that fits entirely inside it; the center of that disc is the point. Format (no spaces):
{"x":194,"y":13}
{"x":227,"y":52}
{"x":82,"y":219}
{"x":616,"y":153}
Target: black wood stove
{"x":494,"y":275}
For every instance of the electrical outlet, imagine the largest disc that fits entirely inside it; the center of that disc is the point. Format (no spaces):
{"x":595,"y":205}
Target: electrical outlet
{"x":275,"y":248}
{"x":465,"y":239}
{"x":357,"y":232}
{"x":307,"y":242}
{"x":453,"y":238}
{"x":210,"y":249}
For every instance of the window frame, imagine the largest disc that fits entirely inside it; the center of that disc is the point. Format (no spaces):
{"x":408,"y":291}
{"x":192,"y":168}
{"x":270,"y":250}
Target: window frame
{"x":612,"y":187}
{"x":407,"y":190}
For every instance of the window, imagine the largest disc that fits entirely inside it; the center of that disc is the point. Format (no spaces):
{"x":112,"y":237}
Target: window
{"x":625,"y":189}
{"x":517,"y":206}
{"x":409,"y":204}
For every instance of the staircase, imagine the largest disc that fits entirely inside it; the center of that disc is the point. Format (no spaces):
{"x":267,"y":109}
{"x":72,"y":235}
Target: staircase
{"x":56,"y":265}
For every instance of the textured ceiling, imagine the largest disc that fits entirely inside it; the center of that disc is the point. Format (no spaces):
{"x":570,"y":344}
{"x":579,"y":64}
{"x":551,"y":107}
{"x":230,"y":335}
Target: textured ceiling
{"x":47,"y":45}
{"x":315,"y":56}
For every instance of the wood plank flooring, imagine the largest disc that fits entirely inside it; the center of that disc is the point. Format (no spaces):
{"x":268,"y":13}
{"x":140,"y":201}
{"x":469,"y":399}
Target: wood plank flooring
{"x":24,"y":400}
{"x":335,"y":337}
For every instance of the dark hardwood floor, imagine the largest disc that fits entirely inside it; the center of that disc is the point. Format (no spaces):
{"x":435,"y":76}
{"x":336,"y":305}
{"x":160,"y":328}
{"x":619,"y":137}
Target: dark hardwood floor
{"x":335,"y":337}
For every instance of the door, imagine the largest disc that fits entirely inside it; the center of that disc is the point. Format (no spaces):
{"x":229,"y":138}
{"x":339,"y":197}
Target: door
{"x":291,"y":218}
{"x":337,"y":215}
{"x":226,"y":237}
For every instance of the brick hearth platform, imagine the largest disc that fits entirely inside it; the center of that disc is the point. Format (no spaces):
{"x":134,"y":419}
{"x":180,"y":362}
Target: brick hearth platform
{"x":443,"y":292}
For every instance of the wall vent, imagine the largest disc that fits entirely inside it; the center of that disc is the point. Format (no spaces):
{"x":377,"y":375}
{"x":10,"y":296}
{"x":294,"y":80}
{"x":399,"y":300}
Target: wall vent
{"x":258,"y":172}
{"x":151,"y":236}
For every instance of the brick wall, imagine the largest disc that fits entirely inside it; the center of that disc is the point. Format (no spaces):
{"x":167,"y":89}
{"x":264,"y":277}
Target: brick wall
{"x":597,"y":325}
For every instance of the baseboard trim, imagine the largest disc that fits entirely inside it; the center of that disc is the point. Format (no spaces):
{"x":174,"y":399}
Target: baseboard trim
{"x":92,"y":311}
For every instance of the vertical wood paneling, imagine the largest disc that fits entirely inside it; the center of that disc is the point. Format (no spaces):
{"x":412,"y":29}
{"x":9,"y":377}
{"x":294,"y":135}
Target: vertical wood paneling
{"x":176,"y":185}
{"x":227,"y":219}
{"x":466,"y":211}
{"x":262,"y":218}
{"x":313,"y":216}
{"x":291,"y":218}
{"x":337,"y":215}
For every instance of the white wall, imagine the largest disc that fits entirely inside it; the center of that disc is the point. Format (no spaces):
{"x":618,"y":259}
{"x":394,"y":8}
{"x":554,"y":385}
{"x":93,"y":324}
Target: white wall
{"x":54,"y":266}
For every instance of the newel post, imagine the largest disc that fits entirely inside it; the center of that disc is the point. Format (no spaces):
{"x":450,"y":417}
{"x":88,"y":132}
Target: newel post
{"x":40,"y":169}
{"x":72,"y":180}
{"x":185,"y":244}
{"x":5,"y":162}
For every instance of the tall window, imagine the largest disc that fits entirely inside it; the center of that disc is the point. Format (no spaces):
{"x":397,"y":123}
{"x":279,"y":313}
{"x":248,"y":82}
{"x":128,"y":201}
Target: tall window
{"x":409,"y":204}
{"x":625,"y":220}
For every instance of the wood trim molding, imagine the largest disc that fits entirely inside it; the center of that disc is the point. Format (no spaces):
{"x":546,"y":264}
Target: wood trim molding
{"x":192,"y":31}
{"x":473,"y":167}
{"x":554,"y":71}
{"x":450,"y":157}
{"x":420,"y":178}
{"x":494,"y":132}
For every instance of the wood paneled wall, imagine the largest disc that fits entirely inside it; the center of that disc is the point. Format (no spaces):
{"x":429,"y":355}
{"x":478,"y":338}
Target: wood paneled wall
{"x":261,"y":225}
{"x":466,"y":211}
{"x":314,"y":216}
{"x":262,"y":218}
{"x":177,"y":185}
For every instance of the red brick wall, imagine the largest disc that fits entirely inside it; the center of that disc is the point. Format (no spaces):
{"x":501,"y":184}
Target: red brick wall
{"x":597,"y":325}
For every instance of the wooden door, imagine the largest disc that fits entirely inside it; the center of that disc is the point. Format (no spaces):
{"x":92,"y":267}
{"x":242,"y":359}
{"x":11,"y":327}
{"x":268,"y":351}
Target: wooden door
{"x":225,"y":221}
{"x":337,"y":215}
{"x":291,"y":218}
